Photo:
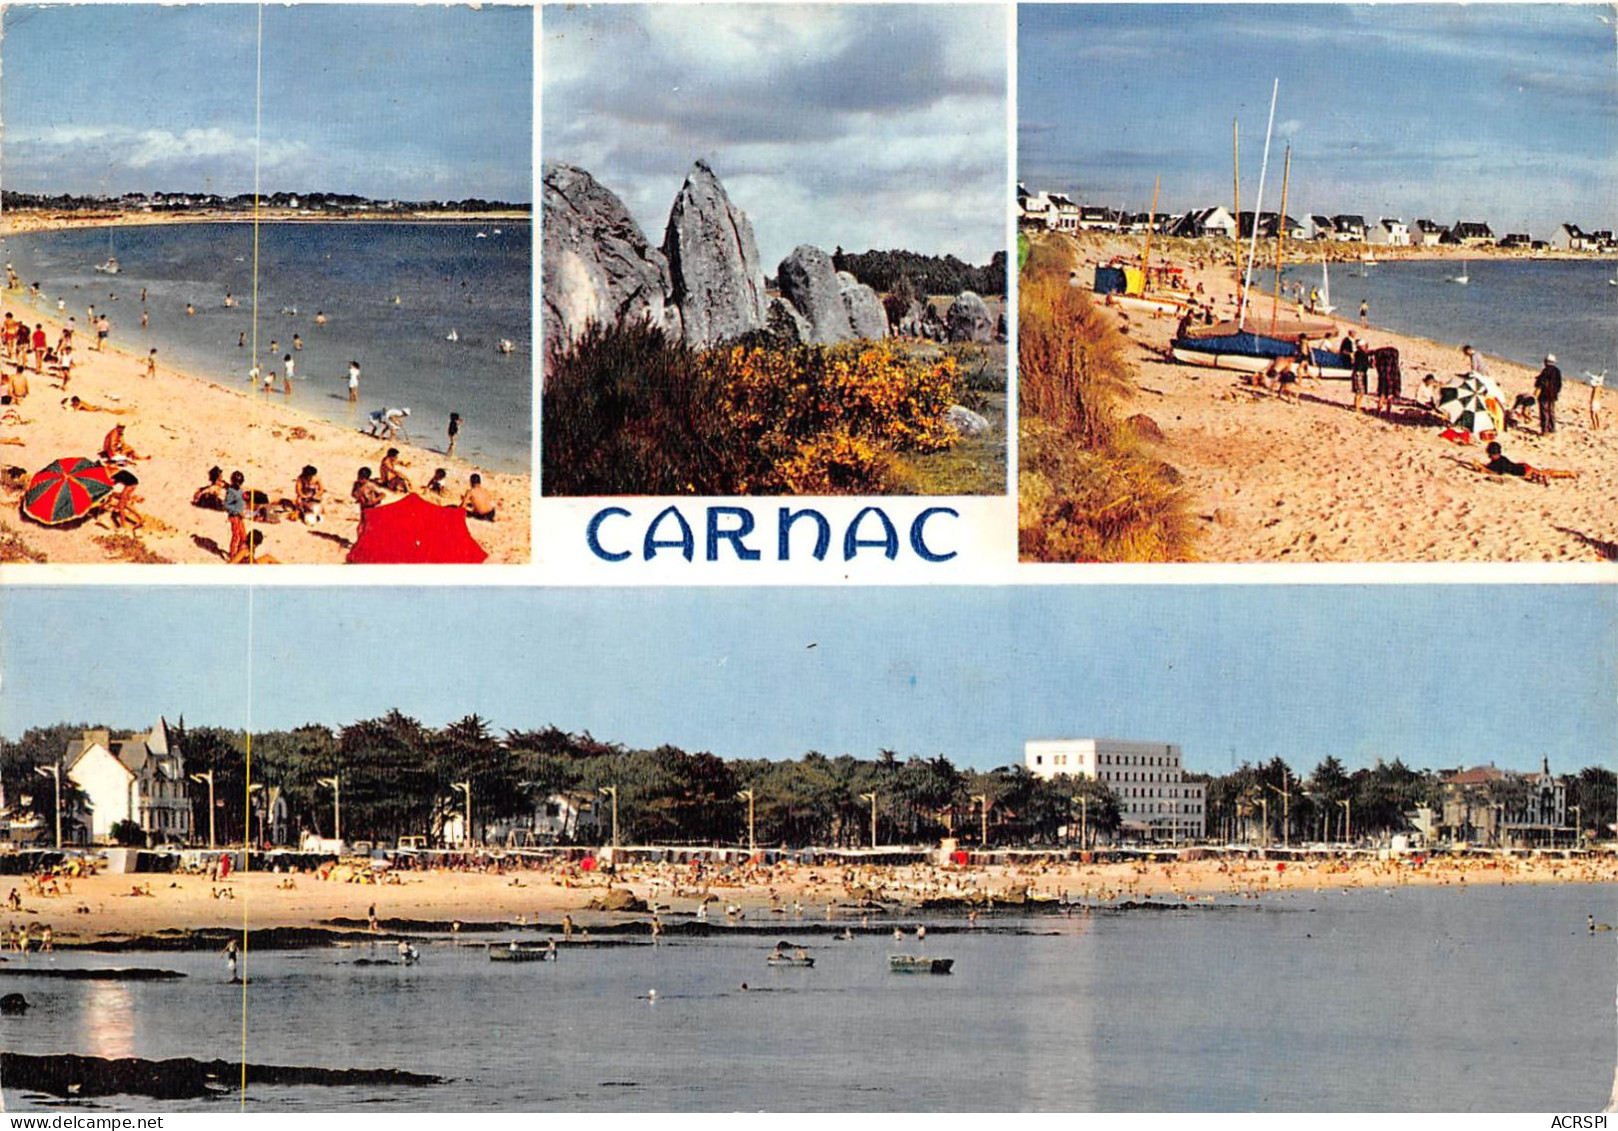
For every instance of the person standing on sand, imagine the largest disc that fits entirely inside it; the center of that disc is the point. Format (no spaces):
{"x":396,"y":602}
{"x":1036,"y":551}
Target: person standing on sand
{"x":1360,"y":372}
{"x":1596,"y":381}
{"x":1547,"y":388}
{"x":1365,"y":312}
{"x":353,"y":382}
{"x":236,"y":512}
{"x":151,"y":363}
{"x":1475,"y":365}
{"x":103,"y":328}
{"x":454,"y":432}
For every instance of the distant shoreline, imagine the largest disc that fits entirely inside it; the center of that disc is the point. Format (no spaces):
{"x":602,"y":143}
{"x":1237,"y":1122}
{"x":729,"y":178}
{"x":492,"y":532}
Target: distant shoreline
{"x":19,"y":223}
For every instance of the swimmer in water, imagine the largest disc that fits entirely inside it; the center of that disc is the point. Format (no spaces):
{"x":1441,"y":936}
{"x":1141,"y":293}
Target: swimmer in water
{"x":320,"y":318}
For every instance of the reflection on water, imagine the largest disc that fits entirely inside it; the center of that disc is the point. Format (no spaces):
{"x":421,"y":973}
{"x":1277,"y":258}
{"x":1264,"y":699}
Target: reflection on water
{"x":1409,"y":1000}
{"x":109,"y":1020}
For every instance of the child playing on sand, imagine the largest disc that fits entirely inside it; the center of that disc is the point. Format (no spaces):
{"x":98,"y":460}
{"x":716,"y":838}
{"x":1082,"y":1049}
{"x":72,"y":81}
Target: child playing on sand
{"x":151,"y":363}
{"x":365,"y":492}
{"x":390,"y":475}
{"x":1597,"y":380}
{"x":478,"y":502}
{"x":235,"y":501}
{"x":435,"y":485}
{"x":123,"y":504}
{"x":307,"y":491}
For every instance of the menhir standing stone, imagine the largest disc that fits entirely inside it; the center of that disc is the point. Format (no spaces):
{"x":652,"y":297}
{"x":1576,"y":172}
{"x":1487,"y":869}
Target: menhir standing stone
{"x":809,"y":282}
{"x":784,"y":322}
{"x":596,"y":264}
{"x":865,"y":313}
{"x":713,"y":262}
{"x":967,"y":319}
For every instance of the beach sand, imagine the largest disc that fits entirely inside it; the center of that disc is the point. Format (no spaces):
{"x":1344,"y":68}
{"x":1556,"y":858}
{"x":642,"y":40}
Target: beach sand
{"x":187,"y":425}
{"x":1274,"y":481}
{"x":187,"y":901}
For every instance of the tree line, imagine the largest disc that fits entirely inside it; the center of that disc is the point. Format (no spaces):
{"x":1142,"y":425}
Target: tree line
{"x":398,"y":777}
{"x":894,"y":272}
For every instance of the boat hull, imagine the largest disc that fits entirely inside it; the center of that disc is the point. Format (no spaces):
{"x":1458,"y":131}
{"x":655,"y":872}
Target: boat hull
{"x":1252,"y":356}
{"x":909,"y":964}
{"x":522,"y":954}
{"x":1147,"y":304}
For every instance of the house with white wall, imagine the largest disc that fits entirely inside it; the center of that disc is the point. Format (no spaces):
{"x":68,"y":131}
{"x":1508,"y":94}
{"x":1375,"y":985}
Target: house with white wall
{"x":140,"y":778}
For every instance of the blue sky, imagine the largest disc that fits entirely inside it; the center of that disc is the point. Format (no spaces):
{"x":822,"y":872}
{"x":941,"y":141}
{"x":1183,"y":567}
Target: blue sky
{"x":422,"y":102}
{"x":1501,"y":113}
{"x":1231,"y":673}
{"x":860,"y":125}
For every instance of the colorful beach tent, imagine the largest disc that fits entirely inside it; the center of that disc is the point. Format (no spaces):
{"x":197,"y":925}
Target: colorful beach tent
{"x":413,"y":531}
{"x":66,"y":490}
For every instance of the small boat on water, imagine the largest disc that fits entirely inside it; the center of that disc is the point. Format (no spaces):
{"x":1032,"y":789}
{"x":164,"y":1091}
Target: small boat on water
{"x":1464,"y":277}
{"x":512,"y":952}
{"x":911,"y":964}
{"x":790,"y":960}
{"x":110,"y":267}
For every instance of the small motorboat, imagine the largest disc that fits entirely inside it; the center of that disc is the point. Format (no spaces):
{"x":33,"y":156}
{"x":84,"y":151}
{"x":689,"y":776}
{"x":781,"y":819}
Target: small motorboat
{"x":513,"y":952}
{"x":910,"y":964}
{"x":110,"y":267}
{"x":790,"y":960}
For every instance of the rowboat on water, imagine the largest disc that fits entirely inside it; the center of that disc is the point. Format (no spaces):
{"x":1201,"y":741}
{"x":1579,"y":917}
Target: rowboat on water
{"x":910,"y":964}
{"x":512,"y":952}
{"x":789,"y":960}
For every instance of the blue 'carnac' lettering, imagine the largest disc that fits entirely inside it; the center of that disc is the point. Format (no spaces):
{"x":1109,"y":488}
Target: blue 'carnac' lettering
{"x":593,"y":534}
{"x":685,"y":543}
{"x":853,"y":543}
{"x":787,"y":516}
{"x":918,"y":535}
{"x":734,"y":536}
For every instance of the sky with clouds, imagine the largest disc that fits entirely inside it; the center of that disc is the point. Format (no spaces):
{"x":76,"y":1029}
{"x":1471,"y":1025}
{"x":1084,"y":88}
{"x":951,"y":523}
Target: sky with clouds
{"x":384,"y":101}
{"x":1232,"y":673}
{"x":865,"y":126}
{"x":1501,"y":113}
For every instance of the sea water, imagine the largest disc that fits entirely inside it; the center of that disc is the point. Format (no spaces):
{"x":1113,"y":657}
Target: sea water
{"x":1518,"y":309}
{"x":392,"y":294}
{"x":1459,"y":998}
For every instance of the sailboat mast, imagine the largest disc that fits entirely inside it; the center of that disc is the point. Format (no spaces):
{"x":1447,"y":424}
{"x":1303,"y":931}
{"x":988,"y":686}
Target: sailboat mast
{"x":1236,"y":162}
{"x":1146,"y":246}
{"x":1280,"y":238}
{"x":1258,"y":205}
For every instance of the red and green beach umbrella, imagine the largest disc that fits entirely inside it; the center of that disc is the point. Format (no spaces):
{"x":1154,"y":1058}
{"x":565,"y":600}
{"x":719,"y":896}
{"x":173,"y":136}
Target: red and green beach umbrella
{"x":66,"y":490}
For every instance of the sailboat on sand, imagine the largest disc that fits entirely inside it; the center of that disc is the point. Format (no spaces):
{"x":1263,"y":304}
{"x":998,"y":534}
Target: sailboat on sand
{"x":1232,"y":344}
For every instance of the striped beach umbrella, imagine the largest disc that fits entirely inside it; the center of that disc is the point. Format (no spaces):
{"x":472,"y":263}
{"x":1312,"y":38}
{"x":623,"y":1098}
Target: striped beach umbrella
{"x":1471,"y":403}
{"x":66,"y":490}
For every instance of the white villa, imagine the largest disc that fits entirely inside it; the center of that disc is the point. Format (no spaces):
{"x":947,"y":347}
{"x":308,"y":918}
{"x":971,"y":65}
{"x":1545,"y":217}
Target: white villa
{"x":140,"y":778}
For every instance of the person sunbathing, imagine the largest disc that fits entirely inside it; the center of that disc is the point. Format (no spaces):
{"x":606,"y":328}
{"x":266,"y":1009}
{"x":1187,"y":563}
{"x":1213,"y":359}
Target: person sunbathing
{"x":74,"y":404}
{"x":250,"y":552}
{"x":211,"y":496}
{"x":1499,"y":464}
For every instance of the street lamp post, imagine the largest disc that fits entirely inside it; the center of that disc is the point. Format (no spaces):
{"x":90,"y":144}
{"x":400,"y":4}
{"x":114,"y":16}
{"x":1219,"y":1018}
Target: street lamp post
{"x":207,"y":776}
{"x":1348,"y":819}
{"x":466,"y":788}
{"x":748,"y":796}
{"x":1286,"y":812}
{"x":1084,"y":818}
{"x":336,"y":806}
{"x":612,"y":792}
{"x":1264,"y":838}
{"x":268,"y":796}
{"x":54,"y":771}
{"x":1578,"y":822}
{"x":983,"y":815}
{"x":871,"y":797}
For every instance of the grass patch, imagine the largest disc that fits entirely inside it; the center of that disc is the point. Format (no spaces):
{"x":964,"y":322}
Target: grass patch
{"x":1088,"y":488}
{"x":14,"y":549}
{"x":128,"y":548}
